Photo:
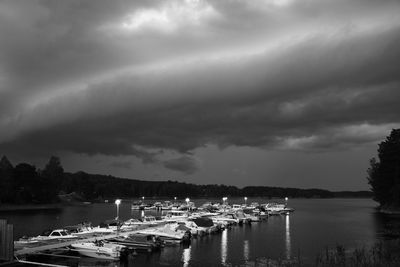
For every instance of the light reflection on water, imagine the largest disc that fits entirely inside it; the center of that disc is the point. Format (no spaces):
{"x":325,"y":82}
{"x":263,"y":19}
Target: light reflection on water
{"x":186,"y":256}
{"x":288,"y":245}
{"x":246,"y":251}
{"x":224,"y":246}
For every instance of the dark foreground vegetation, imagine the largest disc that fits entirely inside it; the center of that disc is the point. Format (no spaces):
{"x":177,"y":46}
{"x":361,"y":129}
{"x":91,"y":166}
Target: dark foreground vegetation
{"x":24,"y":183}
{"x":380,"y":255}
{"x":384,"y":173}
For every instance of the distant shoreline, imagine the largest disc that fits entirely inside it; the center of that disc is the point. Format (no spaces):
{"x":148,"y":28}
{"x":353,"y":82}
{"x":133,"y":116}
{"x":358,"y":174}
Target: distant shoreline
{"x":21,"y":207}
{"x":53,"y":206}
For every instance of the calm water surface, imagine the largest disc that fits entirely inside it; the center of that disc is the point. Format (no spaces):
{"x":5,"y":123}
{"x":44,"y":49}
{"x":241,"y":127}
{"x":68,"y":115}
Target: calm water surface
{"x":315,"y":225}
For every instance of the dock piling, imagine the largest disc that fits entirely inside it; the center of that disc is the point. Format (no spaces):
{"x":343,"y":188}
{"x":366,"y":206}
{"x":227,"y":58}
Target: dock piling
{"x":6,"y":241}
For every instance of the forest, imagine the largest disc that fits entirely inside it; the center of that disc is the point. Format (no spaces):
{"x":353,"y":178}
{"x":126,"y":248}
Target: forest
{"x":24,"y":183}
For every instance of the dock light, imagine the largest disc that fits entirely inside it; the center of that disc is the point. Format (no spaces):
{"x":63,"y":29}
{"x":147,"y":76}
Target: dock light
{"x":245,"y":200}
{"x":117,"y":202}
{"x":175,"y":198}
{"x":142,"y":198}
{"x":187,"y":201}
{"x":224,"y":199}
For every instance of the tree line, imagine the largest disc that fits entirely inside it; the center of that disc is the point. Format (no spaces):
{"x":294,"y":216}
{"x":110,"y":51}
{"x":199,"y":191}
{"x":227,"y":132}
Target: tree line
{"x":25,"y":183}
{"x":384,"y":172}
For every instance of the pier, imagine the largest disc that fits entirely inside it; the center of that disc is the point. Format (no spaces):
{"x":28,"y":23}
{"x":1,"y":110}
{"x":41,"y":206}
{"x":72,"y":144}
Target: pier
{"x":66,"y":243}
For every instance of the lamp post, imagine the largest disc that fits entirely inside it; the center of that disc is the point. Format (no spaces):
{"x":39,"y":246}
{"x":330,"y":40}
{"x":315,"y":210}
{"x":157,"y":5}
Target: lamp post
{"x":224,"y":202}
{"x":245,"y":201}
{"x":286,"y":200}
{"x":187,"y":202}
{"x":117,"y":202}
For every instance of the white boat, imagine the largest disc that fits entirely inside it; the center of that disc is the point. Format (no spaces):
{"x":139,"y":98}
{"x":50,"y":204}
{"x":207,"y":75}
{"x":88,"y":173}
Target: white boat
{"x":99,"y":250}
{"x":228,"y":218}
{"x":252,"y":217}
{"x":131,"y":224}
{"x":102,"y":230}
{"x":175,"y":216}
{"x":79,"y":230}
{"x":149,"y":220}
{"x":168,"y":232}
{"x":277,"y":209}
{"x":53,"y":235}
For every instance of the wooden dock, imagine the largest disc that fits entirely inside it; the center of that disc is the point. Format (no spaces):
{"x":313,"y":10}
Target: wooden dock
{"x":62,"y":244}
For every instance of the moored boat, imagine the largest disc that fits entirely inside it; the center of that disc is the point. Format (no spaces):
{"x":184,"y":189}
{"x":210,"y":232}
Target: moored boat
{"x":169,"y":232}
{"x":139,"y":242}
{"x":99,"y":250}
{"x":53,"y":235}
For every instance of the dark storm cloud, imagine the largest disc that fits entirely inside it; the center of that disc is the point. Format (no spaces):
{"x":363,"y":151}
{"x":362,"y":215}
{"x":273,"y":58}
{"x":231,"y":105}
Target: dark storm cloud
{"x":183,"y":164}
{"x":132,"y":79}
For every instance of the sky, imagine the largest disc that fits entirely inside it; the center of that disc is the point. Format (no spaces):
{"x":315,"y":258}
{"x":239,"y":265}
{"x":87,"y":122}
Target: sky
{"x":291,"y":93}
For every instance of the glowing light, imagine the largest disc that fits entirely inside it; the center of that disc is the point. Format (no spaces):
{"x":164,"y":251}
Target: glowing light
{"x":117,"y":202}
{"x":287,"y":240}
{"x":186,"y":256}
{"x":224,"y":246}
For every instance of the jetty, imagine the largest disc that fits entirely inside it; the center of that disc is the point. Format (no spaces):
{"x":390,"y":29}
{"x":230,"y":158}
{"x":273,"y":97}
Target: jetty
{"x":61,"y":244}
{"x":46,"y":249}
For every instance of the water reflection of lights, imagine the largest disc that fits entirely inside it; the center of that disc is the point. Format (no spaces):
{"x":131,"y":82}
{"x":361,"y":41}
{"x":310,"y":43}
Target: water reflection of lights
{"x":224,"y":246}
{"x":288,"y":245}
{"x":246,"y":250}
{"x":186,"y":256}
{"x":142,"y":214}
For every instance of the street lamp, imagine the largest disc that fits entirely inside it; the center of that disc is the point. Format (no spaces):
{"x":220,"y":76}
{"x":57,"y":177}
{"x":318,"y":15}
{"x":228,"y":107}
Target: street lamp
{"x":224,"y":202}
{"x":187,"y":202}
{"x":286,"y":200}
{"x":143,"y":198}
{"x":117,"y":202}
{"x":245,"y":201}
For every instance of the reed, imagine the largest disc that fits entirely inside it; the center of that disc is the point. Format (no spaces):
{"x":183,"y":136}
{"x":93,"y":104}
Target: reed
{"x":382,"y":254}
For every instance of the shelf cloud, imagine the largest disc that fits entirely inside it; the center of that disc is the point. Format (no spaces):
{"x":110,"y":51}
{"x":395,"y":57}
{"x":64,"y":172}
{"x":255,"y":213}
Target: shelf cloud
{"x":141,"y":78}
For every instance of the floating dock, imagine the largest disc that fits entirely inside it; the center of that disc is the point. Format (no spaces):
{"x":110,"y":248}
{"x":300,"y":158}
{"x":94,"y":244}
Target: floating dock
{"x":61,"y":244}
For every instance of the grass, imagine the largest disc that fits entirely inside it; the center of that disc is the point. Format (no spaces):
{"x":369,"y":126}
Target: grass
{"x":379,"y":255}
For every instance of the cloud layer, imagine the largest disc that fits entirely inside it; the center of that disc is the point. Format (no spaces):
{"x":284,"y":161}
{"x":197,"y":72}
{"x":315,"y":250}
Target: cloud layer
{"x":140,"y":78}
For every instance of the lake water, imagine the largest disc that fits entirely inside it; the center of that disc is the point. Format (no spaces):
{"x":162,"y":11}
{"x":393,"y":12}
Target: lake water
{"x":316,"y":224}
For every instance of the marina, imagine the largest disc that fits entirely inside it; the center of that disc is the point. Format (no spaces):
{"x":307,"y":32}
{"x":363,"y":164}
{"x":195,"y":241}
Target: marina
{"x":115,"y":239}
{"x":278,"y":237}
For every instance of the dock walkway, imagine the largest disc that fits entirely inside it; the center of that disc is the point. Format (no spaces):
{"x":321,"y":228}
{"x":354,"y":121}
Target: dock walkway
{"x":61,"y":244}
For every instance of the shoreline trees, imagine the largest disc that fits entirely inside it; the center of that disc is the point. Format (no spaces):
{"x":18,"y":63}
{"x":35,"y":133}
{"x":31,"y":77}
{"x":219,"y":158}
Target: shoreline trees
{"x":25,"y":184}
{"x":384,"y":173}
